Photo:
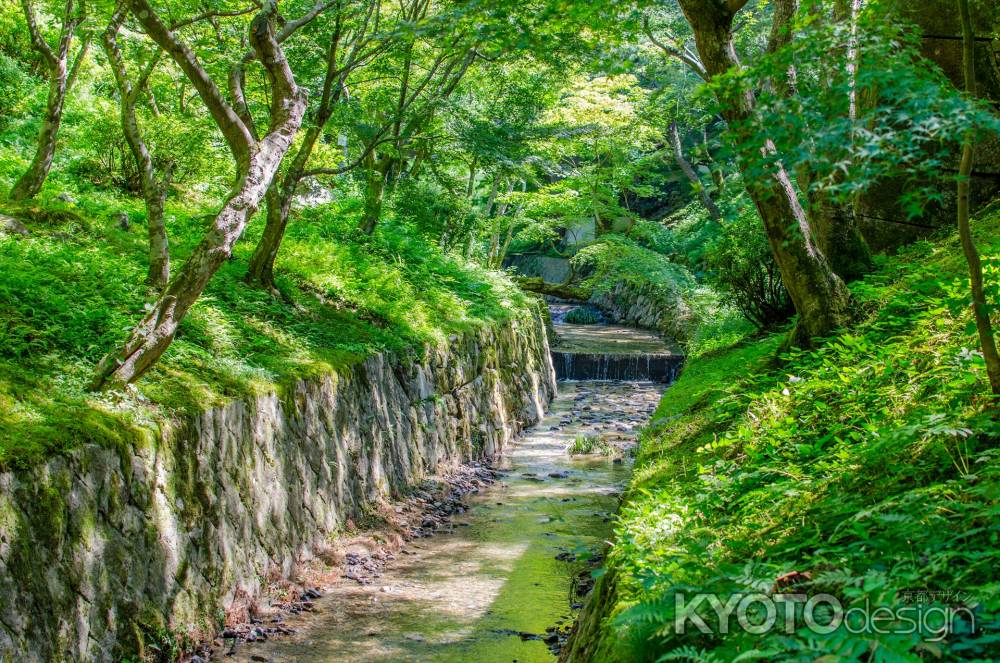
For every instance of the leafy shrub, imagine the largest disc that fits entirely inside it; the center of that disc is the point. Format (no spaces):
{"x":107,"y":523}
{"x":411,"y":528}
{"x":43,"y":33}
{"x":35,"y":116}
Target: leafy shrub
{"x":653,"y":236}
{"x":590,"y":444}
{"x":433,"y":212}
{"x":582,"y":316}
{"x":616,"y":259}
{"x":745,"y":272}
{"x":15,"y":87}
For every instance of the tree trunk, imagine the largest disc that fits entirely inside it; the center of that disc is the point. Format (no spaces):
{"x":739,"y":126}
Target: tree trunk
{"x":257,"y":164}
{"x":375,"y":180}
{"x":718,"y":174}
{"x":837,"y":232}
{"x":980,"y":306}
{"x":156,"y":330}
{"x":838,"y":237}
{"x":31,"y":180}
{"x":154,"y":190}
{"x":61,"y":79}
{"x":819,"y":295}
{"x":689,"y":172}
{"x":261,"y":270}
{"x":159,"y":246}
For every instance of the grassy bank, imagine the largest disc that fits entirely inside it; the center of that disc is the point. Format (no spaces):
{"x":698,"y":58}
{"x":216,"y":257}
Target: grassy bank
{"x":73,"y":288}
{"x":866,"y":469}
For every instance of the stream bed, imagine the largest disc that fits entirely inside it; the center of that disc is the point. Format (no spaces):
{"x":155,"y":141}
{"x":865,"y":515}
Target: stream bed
{"x":486,"y":588}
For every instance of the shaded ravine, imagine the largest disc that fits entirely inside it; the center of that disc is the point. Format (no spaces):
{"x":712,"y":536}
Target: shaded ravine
{"x":504,"y":569}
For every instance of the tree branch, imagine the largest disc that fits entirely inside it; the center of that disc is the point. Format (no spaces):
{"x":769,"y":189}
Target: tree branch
{"x":237,"y":74}
{"x":212,"y":13}
{"x":36,"y":35}
{"x":237,"y":135}
{"x":679,"y":52}
{"x":265,"y":44}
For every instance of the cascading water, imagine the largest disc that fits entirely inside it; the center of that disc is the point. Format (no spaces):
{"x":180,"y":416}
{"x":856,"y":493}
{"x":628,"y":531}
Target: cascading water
{"x":627,"y":368}
{"x":609,"y":352}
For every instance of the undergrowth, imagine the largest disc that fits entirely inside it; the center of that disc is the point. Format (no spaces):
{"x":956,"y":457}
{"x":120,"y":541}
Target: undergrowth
{"x":866,"y":469}
{"x":73,"y":288}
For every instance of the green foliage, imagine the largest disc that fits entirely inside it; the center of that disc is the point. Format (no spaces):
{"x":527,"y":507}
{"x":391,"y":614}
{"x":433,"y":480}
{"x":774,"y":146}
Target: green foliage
{"x":15,"y":86}
{"x":582,"y":316}
{"x":430,"y":209}
{"x":867,"y":466}
{"x":907,"y":118}
{"x":615,"y":259}
{"x":720,"y":325}
{"x":344,"y":297}
{"x":743,"y":269}
{"x":583,"y":445}
{"x":653,"y":236}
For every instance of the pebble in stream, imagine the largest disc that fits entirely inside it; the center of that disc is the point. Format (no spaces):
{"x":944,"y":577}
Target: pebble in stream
{"x":500,"y":583}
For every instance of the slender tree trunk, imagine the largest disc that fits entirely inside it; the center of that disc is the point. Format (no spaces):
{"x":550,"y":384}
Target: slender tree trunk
{"x":689,"y":172}
{"x":154,"y":189}
{"x":375,"y":182}
{"x":819,"y":295}
{"x":261,"y":269}
{"x":62,"y":75}
{"x":504,"y":247}
{"x":155,"y":195}
{"x":279,"y":205}
{"x":980,"y":306}
{"x":718,"y":175}
{"x":257,"y":162}
{"x":31,"y":180}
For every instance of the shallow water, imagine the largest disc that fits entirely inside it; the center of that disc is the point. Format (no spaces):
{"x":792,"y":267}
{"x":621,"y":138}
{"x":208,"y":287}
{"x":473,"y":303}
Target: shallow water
{"x":466,"y":593}
{"x":610,"y":339}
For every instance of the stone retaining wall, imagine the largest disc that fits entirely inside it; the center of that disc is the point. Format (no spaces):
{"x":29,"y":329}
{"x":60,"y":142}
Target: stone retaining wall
{"x":101,"y":549}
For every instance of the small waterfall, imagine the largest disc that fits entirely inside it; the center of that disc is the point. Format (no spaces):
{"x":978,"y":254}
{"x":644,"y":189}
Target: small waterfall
{"x":610,"y":366}
{"x":609,"y":352}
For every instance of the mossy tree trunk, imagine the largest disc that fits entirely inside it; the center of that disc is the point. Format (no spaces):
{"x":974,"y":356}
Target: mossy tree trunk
{"x":154,"y":187}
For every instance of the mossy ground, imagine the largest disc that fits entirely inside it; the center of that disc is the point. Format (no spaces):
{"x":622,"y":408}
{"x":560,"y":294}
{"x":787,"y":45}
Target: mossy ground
{"x":74,"y":287}
{"x":868,"y":467}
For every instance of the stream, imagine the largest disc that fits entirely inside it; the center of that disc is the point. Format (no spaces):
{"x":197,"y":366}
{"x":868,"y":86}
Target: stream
{"x":488,"y":587}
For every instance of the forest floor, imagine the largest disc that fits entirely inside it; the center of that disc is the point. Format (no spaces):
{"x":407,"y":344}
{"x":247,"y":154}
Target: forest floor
{"x":866,"y":468}
{"x":72,"y":288}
